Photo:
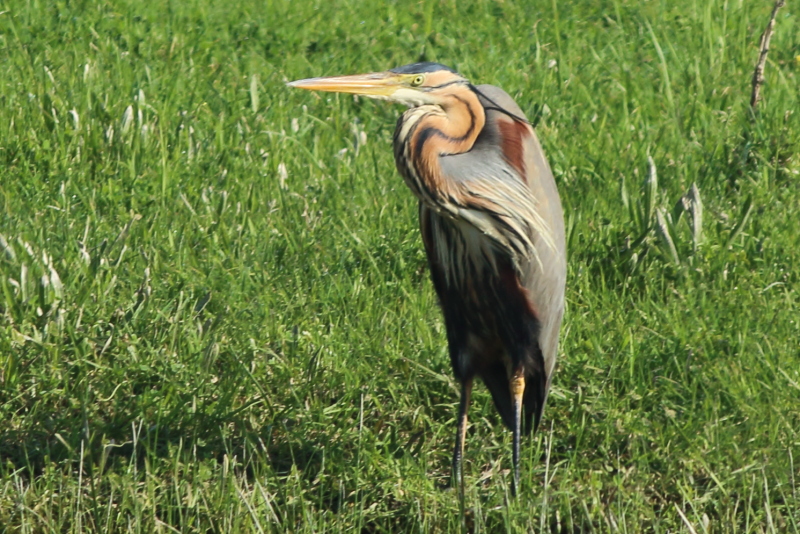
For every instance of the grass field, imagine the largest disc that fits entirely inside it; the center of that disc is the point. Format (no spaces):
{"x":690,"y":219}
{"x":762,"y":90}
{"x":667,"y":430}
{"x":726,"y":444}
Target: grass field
{"x":215,"y":312}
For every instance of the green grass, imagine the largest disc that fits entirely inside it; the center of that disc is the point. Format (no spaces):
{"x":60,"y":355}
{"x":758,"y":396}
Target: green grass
{"x":215,"y":313}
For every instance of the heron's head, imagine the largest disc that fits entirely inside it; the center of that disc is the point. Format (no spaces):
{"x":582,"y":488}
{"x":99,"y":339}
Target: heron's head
{"x":414,"y":85}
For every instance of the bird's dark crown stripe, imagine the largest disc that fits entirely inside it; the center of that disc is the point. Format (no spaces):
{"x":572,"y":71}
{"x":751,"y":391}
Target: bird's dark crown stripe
{"x":421,"y":68}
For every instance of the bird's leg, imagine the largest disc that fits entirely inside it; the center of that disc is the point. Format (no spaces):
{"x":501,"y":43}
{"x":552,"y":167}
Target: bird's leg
{"x":517,"y":391}
{"x":458,"y":453}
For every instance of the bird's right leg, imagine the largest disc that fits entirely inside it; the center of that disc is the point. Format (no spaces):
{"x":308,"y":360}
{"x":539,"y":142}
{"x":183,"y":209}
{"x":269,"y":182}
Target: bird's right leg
{"x":517,"y":387}
{"x":458,"y":453}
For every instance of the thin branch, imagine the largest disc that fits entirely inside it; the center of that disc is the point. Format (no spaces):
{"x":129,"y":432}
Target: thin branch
{"x":758,"y":73}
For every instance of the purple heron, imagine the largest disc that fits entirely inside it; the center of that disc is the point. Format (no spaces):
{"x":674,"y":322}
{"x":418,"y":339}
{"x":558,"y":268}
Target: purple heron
{"x":493,"y":229}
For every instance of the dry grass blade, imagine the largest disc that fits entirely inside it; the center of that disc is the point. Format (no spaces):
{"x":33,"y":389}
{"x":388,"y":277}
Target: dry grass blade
{"x":696,"y":209}
{"x":685,"y":520}
{"x":662,"y":229}
{"x":740,"y":224}
{"x":650,"y":190}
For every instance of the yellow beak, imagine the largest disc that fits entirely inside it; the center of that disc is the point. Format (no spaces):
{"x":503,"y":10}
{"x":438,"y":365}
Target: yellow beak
{"x":375,"y":84}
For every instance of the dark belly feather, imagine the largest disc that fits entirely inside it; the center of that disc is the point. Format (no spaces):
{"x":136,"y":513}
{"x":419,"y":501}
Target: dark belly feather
{"x":490,"y":320}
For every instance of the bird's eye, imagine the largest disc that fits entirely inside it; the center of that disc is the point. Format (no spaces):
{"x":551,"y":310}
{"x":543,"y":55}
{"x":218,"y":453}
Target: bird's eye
{"x":417,"y":81}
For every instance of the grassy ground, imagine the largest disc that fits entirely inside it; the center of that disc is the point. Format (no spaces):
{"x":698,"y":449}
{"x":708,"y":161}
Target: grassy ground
{"x":215,"y":313}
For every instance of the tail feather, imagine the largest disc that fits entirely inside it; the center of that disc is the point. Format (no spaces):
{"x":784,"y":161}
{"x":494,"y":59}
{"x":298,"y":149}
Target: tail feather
{"x":533,"y":400}
{"x":497,"y":381}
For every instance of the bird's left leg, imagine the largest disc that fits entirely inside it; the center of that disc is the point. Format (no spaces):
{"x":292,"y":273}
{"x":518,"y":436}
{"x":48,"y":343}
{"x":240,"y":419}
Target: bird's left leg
{"x":517,"y":387}
{"x":458,"y":453}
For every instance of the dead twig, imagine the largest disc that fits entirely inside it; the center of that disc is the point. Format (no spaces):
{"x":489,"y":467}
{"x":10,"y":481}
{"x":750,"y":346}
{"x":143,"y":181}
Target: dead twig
{"x":758,"y":73}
